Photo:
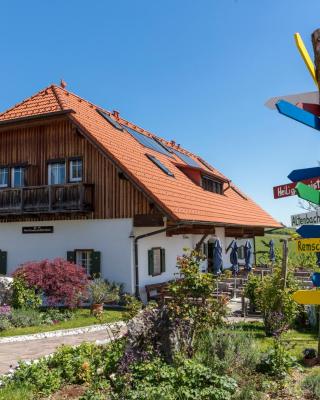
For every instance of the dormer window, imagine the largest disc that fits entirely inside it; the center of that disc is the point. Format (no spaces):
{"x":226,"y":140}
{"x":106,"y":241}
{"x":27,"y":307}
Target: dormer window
{"x":211,"y":185}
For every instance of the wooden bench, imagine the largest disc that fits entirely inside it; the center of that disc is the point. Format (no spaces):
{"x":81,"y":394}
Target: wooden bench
{"x":156,"y":291}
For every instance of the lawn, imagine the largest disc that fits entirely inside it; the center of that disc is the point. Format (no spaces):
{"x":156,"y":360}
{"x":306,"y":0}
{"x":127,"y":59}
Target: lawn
{"x":296,"y":341}
{"x":81,"y":318}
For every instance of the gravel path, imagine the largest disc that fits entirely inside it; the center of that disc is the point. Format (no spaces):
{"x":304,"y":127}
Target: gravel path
{"x":11,"y":353}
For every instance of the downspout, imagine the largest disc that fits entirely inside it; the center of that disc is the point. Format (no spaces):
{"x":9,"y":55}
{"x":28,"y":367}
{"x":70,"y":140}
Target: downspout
{"x":136,"y":258}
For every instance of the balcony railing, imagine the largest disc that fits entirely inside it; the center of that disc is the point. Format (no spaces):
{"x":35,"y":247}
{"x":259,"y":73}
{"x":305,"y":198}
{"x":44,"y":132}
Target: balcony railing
{"x":73,"y":197}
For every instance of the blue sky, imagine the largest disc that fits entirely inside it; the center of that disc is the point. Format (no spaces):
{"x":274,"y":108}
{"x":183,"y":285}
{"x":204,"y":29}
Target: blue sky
{"x":197,"y":72}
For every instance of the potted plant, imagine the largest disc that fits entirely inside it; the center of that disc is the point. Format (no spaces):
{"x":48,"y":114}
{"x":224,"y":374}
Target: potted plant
{"x":102,"y":292}
{"x":310,"y":358}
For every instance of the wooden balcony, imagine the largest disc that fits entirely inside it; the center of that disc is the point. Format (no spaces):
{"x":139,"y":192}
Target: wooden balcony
{"x":68,"y":198}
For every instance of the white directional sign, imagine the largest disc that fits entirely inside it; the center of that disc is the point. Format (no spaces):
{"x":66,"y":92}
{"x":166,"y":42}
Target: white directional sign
{"x":310,"y":218}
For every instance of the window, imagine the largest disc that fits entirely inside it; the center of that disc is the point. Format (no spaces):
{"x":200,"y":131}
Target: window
{"x":83,"y":258}
{"x":17,"y":177}
{"x":90,"y":260}
{"x":3,"y":262}
{"x":149,"y":142}
{"x":160,"y":165}
{"x":57,"y":173}
{"x":110,"y":120}
{"x":187,"y":159}
{"x":211,"y":185}
{"x":4,"y":177}
{"x":75,"y":171}
{"x":156,"y":261}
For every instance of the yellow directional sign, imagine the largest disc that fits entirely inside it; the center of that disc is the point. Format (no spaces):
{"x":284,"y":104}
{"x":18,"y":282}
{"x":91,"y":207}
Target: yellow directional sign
{"x":308,"y":245}
{"x":306,"y":57}
{"x":307,"y":296}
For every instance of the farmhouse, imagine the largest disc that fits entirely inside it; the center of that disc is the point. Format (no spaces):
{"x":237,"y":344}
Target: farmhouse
{"x":80,"y":182}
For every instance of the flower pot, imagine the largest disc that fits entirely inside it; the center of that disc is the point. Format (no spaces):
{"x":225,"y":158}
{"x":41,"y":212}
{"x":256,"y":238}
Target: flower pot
{"x":310,"y":362}
{"x":96,"y":308}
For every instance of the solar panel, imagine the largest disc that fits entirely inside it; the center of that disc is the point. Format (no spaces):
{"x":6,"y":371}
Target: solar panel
{"x":147,"y":141}
{"x":160,"y":165}
{"x":110,"y":120}
{"x":188,"y":160}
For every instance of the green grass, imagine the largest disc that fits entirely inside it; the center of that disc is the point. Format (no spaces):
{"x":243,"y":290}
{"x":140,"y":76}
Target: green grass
{"x":295,"y":340}
{"x":16,"y":393}
{"x":278,"y":245}
{"x":82,"y":318}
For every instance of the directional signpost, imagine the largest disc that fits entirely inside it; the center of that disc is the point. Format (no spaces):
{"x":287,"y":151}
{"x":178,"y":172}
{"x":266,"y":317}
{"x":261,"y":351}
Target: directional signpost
{"x":310,"y":218}
{"x":298,"y":114}
{"x":308,"y":245}
{"x":306,"y":192}
{"x":289,"y":189}
{"x":307,"y":296}
{"x":298,"y":175}
{"x":309,"y":231}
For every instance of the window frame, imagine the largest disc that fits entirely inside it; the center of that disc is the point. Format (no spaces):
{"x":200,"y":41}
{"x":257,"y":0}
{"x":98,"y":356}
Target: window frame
{"x":90,"y":251}
{"x":71,"y":161}
{"x":3,"y":186}
{"x":215,"y":184}
{"x":12,"y":176}
{"x":50,"y":164}
{"x":162,"y":261}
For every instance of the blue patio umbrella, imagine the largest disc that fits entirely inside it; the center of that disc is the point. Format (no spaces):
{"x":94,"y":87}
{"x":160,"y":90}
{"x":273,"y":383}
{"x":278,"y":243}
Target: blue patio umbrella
{"x":247,"y":255}
{"x":272,"y":256}
{"x":234,"y":257}
{"x":217,"y":257}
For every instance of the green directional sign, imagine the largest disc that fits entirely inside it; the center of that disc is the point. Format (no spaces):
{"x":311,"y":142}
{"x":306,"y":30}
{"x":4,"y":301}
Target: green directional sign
{"x":308,"y":193}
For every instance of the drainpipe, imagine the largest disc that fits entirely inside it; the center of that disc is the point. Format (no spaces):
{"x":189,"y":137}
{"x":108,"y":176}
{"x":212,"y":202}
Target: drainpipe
{"x":136,"y":258}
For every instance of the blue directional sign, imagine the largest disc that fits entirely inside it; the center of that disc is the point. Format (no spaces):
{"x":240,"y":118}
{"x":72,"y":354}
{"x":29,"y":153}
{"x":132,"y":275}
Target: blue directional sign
{"x":298,"y":175}
{"x":309,"y":231}
{"x":298,"y":114}
{"x":315,"y":277}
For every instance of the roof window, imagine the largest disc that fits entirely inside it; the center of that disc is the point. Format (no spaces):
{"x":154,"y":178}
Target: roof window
{"x":187,"y":159}
{"x":113,"y":122}
{"x":160,"y":165}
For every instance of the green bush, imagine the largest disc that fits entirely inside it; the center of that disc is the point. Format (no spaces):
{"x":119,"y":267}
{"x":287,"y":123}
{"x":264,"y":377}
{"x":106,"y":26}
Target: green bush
{"x":277,"y":361}
{"x":226,"y":350}
{"x":25,"y":317}
{"x":37,"y":376}
{"x":54,"y":315}
{"x":187,"y":379}
{"x":24,"y":296}
{"x":4,"y":323}
{"x":251,"y":290}
{"x":312,"y":383}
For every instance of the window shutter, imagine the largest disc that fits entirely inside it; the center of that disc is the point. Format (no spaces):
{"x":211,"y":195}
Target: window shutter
{"x":95,"y":267}
{"x":150,"y":262}
{"x":3,"y":262}
{"x":71,"y":256}
{"x":163,"y":260}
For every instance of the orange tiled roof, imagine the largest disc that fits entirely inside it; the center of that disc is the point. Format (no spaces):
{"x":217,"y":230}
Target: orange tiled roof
{"x":179,"y":196}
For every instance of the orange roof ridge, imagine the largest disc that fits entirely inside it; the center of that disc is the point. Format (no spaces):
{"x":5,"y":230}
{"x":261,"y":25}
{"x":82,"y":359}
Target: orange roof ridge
{"x":25,"y":100}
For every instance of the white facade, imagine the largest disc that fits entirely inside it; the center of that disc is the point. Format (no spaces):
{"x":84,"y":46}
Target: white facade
{"x":112,"y":237}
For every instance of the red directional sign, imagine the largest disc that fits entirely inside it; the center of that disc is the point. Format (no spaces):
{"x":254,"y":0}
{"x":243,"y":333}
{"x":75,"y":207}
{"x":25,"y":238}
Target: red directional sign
{"x":288,"y":189}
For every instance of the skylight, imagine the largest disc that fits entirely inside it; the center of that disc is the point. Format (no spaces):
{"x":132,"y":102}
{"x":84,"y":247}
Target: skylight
{"x":188,"y":160}
{"x":147,"y":141}
{"x":110,"y":120}
{"x":160,"y":165}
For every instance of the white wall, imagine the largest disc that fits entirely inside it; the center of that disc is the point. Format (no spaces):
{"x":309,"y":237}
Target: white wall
{"x":110,"y":237}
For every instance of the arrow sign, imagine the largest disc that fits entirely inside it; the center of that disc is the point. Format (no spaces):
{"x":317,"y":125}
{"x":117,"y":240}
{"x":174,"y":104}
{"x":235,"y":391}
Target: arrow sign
{"x":289,"y":189}
{"x":309,"y":231}
{"x":298,"y":175}
{"x":310,"y":218}
{"x":311,"y":107}
{"x":307,"y":296}
{"x":308,"y":245}
{"x":308,"y":193}
{"x":296,"y":113}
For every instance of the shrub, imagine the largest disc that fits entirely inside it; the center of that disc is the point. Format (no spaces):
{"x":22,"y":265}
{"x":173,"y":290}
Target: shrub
{"x":25,"y":317}
{"x":312,"y":383}
{"x":187,"y":379}
{"x":102,"y":291}
{"x":5,"y":323}
{"x":62,"y":282}
{"x":251,"y":290}
{"x":24,"y":295}
{"x":53,"y":315}
{"x":226,"y":350}
{"x":277,"y":305}
{"x":277,"y":361}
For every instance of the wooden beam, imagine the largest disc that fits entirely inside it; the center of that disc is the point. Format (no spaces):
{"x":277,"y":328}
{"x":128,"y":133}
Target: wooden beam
{"x":148,"y":220}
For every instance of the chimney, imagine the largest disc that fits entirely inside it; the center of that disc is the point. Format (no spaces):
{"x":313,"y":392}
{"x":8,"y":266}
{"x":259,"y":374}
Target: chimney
{"x":173,"y":143}
{"x":115,"y":113}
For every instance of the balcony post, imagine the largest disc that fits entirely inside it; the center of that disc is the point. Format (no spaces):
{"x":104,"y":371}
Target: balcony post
{"x":21,"y":199}
{"x":50,"y":197}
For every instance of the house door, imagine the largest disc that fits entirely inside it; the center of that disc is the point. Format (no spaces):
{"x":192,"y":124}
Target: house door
{"x":210,"y":255}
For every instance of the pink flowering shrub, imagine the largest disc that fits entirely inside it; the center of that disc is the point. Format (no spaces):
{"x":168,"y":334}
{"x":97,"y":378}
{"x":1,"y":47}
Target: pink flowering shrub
{"x":62,"y":282}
